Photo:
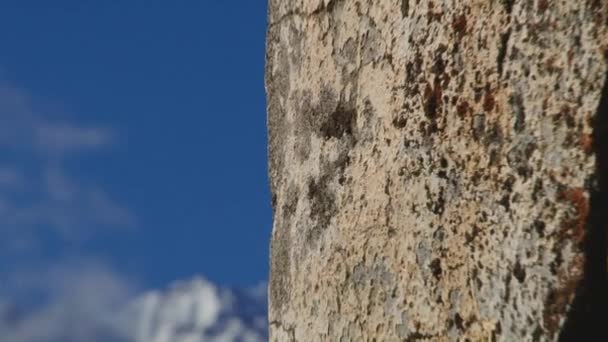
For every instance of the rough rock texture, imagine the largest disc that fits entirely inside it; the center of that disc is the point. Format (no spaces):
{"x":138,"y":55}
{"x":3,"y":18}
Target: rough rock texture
{"x":438,"y":169}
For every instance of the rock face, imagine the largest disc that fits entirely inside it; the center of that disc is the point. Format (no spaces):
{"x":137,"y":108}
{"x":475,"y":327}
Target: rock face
{"x":438,"y":169}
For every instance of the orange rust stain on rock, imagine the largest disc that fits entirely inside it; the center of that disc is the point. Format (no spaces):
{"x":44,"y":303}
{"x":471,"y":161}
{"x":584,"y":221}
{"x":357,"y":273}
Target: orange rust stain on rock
{"x":559,"y":298}
{"x":575,"y":228}
{"x":488,"y":101}
{"x":459,"y":25}
{"x":587,"y":143}
{"x":462,"y":109}
{"x":542,"y":6}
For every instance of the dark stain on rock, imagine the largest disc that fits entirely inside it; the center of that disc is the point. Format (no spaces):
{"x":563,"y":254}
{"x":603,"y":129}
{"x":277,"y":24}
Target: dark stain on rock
{"x":585,"y":320}
{"x":399,"y":122}
{"x":338,"y":167}
{"x":566,"y":113}
{"x":488,"y":101}
{"x":537,"y":334}
{"x":459,"y":322}
{"x":508,"y":279}
{"x":494,"y":141}
{"x":508,"y":184}
{"x":596,"y":12}
{"x":496,"y":332}
{"x":502,"y":51}
{"x":517,"y":103}
{"x":462,"y":109}
{"x":322,"y":207}
{"x":438,"y":67}
{"x":470,"y":237}
{"x":418,"y":62}
{"x":520,"y":154}
{"x":433,"y":100}
{"x":417,"y":336}
{"x":505,"y":202}
{"x":494,"y":135}
{"x":519,"y":272}
{"x":537,"y":191}
{"x":459,"y":25}
{"x":273,"y":201}
{"x":316,"y":115}
{"x":435,"y":267}
{"x":405,"y":8}
{"x":409,"y":72}
{"x":477,"y":92}
{"x":542,"y":6}
{"x":540,"y":226}
{"x":339,"y":123}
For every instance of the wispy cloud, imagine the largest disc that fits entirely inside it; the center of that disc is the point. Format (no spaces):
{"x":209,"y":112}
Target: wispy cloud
{"x":77,"y":301}
{"x":54,"y":300}
{"x":37,"y":193}
{"x":62,"y":138}
{"x":25,"y":127}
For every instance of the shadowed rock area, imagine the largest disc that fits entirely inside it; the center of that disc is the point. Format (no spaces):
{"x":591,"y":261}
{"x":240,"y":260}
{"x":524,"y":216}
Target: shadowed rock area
{"x":438,"y":170}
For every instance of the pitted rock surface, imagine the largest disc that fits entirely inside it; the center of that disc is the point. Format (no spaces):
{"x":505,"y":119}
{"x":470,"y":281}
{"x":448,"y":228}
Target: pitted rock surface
{"x":431,"y":165}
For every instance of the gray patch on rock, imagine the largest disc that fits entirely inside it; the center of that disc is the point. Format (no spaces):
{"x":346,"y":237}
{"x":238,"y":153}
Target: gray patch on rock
{"x":402,"y":328}
{"x":280,"y":265}
{"x":322,"y":208}
{"x":479,"y":125}
{"x":520,"y":153}
{"x":371,"y":49}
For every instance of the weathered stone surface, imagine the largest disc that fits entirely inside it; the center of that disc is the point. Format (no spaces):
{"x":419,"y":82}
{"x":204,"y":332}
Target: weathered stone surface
{"x":434,"y":168}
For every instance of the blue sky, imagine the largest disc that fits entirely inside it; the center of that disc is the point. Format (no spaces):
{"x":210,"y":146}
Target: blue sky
{"x":133,"y":134}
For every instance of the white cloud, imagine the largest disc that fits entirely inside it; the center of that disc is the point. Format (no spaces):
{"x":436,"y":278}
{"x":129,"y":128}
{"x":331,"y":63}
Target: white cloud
{"x":198,"y":311}
{"x":87,"y":301}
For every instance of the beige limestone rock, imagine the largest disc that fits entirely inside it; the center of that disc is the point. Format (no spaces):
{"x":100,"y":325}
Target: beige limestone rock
{"x":434,"y":169}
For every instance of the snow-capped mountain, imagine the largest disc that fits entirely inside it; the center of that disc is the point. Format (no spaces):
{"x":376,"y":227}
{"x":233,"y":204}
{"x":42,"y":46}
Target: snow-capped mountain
{"x":188,"y":311}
